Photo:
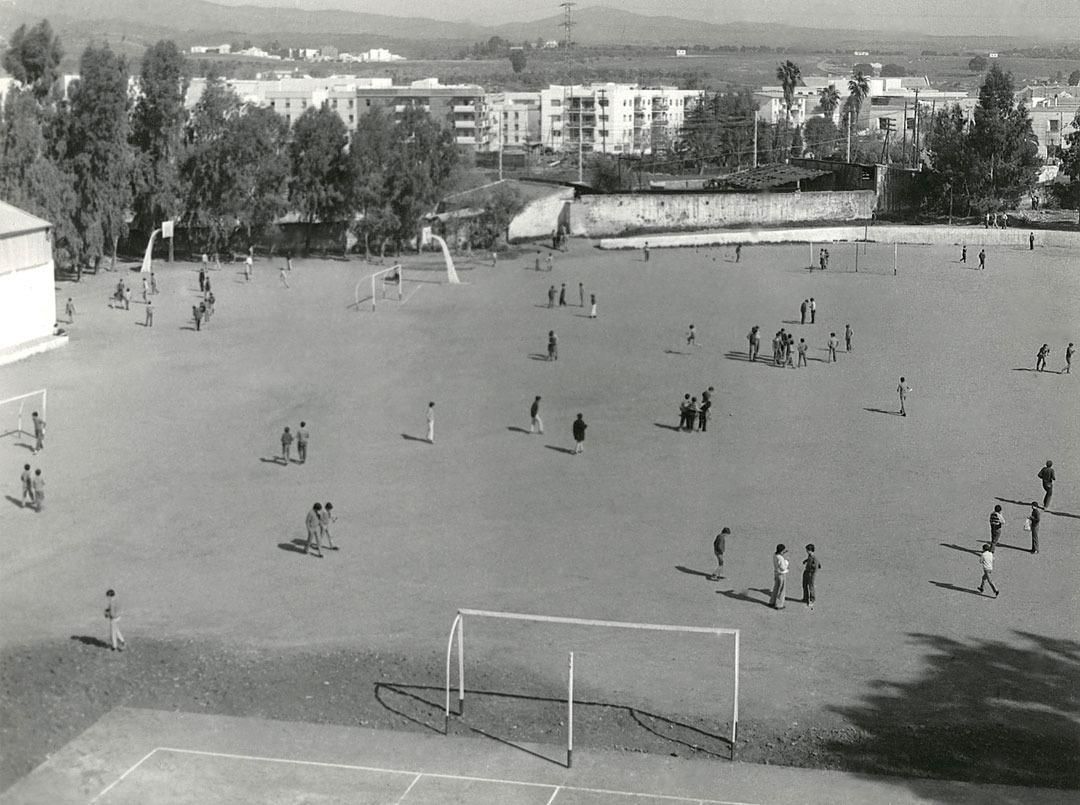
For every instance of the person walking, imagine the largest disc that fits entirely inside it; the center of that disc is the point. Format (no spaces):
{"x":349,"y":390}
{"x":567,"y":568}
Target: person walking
{"x":834,"y":342}
{"x":579,"y":434}
{"x":780,"y":571}
{"x":592,"y":306}
{"x":1040,"y":358}
{"x":803,"y":308}
{"x":145,"y":290}
{"x":903,"y":389}
{"x":431,"y":423}
{"x":719,"y":545}
{"x":197,"y":315}
{"x":691,"y":337}
{"x":202,"y":279}
{"x":326,"y":517}
{"x":149,"y":321}
{"x":645,"y":251}
{"x":553,"y":346}
{"x":684,"y":408}
{"x":691,"y":414}
{"x":282,"y":277}
{"x":754,"y":340}
{"x":537,"y":424}
{"x":551,"y":296}
{"x":127,"y":297}
{"x":562,"y":295}
{"x":738,"y":252}
{"x":286,"y":445}
{"x":581,"y":294}
{"x":1069,"y":350}
{"x":997,"y":522}
{"x":1031,"y":242}
{"x":813,"y":311}
{"x":112,"y":614}
{"x":288,"y":262}
{"x":986,"y":562}
{"x":39,"y":433}
{"x":494,"y":258}
{"x":69,"y":311}
{"x":802,"y":351}
{"x":249,"y":267}
{"x":302,"y":437}
{"x":153,"y":283}
{"x":550,"y":262}
{"x":963,"y":253}
{"x":537,"y":266}
{"x":27,"y":480}
{"x":204,"y":312}
{"x":37,"y":486}
{"x":1033,"y":519}
{"x":982,"y":258}
{"x":848,"y":336}
{"x":314,"y":530}
{"x":811,"y":566}
{"x":1047,"y":476}
{"x":789,"y":351}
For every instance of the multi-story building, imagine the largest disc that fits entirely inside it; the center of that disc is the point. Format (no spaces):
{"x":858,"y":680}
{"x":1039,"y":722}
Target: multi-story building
{"x":612,"y":118}
{"x":514,"y":118}
{"x":1053,"y":116}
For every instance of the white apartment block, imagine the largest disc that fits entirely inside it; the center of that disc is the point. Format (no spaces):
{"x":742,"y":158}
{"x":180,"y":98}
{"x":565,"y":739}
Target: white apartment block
{"x":612,"y":118}
{"x":514,"y":119}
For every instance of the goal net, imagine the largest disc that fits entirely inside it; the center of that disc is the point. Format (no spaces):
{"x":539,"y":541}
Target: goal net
{"x":857,"y":257}
{"x":631,"y":668}
{"x":16,"y":413}
{"x":385,"y":285}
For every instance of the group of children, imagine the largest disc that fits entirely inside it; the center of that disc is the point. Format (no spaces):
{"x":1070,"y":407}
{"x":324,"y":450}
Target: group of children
{"x":33,"y":483}
{"x":318,"y":523}
{"x":1044,"y":353}
{"x":691,"y":412}
{"x":781,"y":567}
{"x":561,"y":294}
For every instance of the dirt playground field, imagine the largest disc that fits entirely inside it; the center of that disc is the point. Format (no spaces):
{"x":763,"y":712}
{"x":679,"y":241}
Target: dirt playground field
{"x":163,"y":483}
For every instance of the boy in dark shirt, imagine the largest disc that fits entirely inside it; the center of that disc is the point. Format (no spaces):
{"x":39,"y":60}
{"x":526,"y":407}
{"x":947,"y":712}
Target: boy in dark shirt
{"x":579,"y":433}
{"x":718,"y":547}
{"x":811,"y":565}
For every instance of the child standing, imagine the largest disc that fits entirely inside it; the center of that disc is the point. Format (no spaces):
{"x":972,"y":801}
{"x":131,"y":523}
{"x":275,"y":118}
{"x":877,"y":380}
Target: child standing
{"x":112,"y":614}
{"x":719,"y":546}
{"x":986,"y":561}
{"x":811,"y":566}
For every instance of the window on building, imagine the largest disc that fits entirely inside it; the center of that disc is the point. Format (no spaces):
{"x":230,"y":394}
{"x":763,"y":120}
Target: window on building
{"x":367,"y":101}
{"x":352,"y":119}
{"x":350,"y":103}
{"x":1055,"y":126}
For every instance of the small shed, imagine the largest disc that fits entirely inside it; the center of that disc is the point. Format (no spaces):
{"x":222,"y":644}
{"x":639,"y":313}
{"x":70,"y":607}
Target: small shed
{"x":27,"y":281}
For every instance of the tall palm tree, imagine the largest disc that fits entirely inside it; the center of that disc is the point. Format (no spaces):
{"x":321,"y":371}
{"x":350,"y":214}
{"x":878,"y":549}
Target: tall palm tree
{"x":789,"y":75}
{"x":830,"y":99}
{"x":858,"y":89}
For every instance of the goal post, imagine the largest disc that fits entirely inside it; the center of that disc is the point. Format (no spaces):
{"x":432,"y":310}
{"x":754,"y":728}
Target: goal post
{"x":457,"y":635}
{"x":15,"y":412}
{"x":393,"y":277}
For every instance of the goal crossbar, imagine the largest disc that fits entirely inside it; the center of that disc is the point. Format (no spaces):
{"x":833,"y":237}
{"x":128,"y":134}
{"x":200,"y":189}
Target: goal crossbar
{"x":457,"y":630}
{"x":5,"y":430}
{"x":375,"y":278}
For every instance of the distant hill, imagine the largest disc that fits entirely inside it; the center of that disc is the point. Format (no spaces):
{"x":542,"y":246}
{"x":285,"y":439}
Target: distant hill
{"x":131,"y":25}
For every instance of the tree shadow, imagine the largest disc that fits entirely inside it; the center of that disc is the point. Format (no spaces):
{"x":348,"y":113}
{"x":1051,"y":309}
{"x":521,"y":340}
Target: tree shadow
{"x":516,"y":429}
{"x":676,"y":428}
{"x":298,"y":545}
{"x":558,"y":449}
{"x":960,"y":548}
{"x":882,"y":411}
{"x":986,"y":711}
{"x":691,"y":572}
{"x":410,"y":438}
{"x":93,"y":642}
{"x":15,"y":501}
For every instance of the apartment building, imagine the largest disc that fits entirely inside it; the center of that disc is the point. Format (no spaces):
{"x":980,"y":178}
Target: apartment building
{"x":612,"y":118}
{"x":514,"y":118}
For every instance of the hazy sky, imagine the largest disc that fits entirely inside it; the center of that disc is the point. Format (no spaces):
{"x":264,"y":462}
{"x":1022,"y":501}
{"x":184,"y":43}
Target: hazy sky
{"x":1051,"y":18}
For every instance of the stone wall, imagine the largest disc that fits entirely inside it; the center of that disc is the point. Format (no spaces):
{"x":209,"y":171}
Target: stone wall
{"x":599,"y":216}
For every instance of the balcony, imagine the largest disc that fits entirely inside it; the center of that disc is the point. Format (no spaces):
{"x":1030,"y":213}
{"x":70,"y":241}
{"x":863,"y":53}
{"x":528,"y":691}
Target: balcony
{"x":464,"y":108}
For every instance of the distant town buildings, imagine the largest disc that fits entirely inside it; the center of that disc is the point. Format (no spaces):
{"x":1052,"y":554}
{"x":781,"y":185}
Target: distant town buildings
{"x":324,"y":53}
{"x":218,"y":49}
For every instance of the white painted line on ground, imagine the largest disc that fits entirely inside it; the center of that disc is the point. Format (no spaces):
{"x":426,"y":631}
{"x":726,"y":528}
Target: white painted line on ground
{"x":415,"y":780}
{"x":120,"y":779}
{"x":411,"y":294}
{"x":417,"y":775}
{"x":554,"y":794}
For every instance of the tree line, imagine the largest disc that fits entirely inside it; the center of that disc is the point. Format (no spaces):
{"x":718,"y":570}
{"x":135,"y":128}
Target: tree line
{"x":104,"y":160}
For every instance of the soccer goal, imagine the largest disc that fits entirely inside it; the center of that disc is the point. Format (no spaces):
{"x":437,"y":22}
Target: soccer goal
{"x":386,"y":284}
{"x":457,"y":636}
{"x":15,"y":413}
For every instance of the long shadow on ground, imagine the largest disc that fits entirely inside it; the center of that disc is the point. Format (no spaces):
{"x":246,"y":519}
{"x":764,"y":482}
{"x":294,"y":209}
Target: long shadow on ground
{"x":986,"y":710}
{"x":424,"y":705}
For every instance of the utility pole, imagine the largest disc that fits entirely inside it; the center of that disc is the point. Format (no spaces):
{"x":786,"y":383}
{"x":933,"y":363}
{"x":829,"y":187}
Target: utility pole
{"x":755,"y":136}
{"x":568,"y":25}
{"x":849,"y":136}
{"x":903,"y":135}
{"x":915,"y":134}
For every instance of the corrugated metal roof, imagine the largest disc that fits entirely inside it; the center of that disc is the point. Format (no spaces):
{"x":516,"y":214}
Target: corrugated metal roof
{"x":769,"y":176}
{"x":14,"y":221}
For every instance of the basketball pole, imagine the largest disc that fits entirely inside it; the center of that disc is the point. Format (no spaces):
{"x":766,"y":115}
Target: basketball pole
{"x":895,"y":249}
{"x":570,"y":714}
{"x":856,"y":257}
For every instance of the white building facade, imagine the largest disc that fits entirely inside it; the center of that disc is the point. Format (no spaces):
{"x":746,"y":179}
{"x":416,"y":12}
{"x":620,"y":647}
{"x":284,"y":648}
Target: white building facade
{"x":27,"y":279}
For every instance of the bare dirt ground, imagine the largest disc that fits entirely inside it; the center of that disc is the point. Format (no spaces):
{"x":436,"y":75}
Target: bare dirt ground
{"x":163,"y":483}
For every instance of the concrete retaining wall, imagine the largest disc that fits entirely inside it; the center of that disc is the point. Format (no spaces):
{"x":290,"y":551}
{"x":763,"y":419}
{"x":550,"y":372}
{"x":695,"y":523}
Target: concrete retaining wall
{"x":612,"y":215}
{"x":542,"y":216}
{"x":939,"y":235}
